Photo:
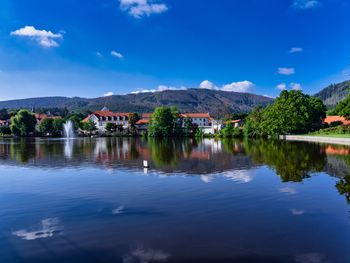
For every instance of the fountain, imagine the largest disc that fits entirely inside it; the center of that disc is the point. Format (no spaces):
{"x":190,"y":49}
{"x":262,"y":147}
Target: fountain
{"x":68,"y":129}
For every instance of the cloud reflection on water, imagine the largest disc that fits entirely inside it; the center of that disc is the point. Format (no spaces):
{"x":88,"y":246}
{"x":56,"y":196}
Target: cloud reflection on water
{"x":49,"y":227}
{"x":146,"y":256}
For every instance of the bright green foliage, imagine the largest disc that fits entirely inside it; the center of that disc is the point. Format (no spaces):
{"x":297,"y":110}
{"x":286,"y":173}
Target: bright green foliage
{"x":291,"y":113}
{"x":162,"y":122}
{"x":199,"y":133}
{"x":343,"y":108}
{"x":51,"y":126}
{"x":23,"y":123}
{"x":88,"y":126}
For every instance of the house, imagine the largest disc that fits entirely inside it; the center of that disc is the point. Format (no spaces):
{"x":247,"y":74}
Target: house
{"x":329,"y":119}
{"x":237,"y":123}
{"x":104,"y":116}
{"x":199,"y":119}
{"x":41,"y":116}
{"x":5,"y":123}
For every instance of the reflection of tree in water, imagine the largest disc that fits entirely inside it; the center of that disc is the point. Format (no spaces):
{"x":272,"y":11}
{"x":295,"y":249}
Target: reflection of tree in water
{"x":22,"y":150}
{"x":293,"y":161}
{"x":165,"y":151}
{"x":343,"y":187}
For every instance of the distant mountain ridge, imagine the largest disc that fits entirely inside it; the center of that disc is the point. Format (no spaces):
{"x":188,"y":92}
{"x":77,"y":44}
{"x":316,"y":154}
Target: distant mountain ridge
{"x":216,"y":102}
{"x":334,"y":93}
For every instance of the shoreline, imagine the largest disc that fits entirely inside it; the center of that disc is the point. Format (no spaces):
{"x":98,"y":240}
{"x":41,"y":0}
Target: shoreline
{"x":321,"y":139}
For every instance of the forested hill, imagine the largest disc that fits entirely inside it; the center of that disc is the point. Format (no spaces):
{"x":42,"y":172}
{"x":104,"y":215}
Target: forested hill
{"x":216,"y":102}
{"x":334,"y":93}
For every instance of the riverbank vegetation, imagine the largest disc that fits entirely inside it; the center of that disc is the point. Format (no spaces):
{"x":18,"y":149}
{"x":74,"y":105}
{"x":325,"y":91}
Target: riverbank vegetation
{"x":291,"y":113}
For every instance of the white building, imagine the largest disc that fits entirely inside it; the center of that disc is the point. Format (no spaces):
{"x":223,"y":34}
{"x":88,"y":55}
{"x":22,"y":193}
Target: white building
{"x":104,"y":116}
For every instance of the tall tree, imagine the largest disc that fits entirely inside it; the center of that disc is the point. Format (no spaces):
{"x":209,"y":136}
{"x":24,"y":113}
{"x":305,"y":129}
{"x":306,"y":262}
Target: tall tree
{"x":23,"y":123}
{"x":162,"y":122}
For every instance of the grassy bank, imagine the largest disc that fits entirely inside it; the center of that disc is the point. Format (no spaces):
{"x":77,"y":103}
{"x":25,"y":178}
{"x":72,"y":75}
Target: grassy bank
{"x":336,"y":132}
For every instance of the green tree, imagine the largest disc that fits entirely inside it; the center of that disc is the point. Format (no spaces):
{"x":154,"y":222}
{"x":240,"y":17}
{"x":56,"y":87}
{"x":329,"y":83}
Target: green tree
{"x":23,"y":123}
{"x":343,"y":108}
{"x":46,"y":126}
{"x":133,"y":119}
{"x":162,"y":122}
{"x":189,"y":127}
{"x":51,"y":126}
{"x":88,"y":126}
{"x":110,"y":127}
{"x":292,"y":112}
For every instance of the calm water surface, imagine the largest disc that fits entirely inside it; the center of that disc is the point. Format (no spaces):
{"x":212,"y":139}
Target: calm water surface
{"x":90,"y":200}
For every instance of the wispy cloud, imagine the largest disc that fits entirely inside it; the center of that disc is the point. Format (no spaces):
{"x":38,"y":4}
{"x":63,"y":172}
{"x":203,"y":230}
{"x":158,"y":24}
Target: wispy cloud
{"x":306,"y":4}
{"x":286,"y":71}
{"x":240,"y":86}
{"x":43,"y":37}
{"x":160,"y":88}
{"x":99,"y":54}
{"x":297,"y":212}
{"x":295,"y":50}
{"x":108,"y":94}
{"x":292,"y":86}
{"x":295,"y":86}
{"x":117,"y":54}
{"x":282,"y":86}
{"x":142,"y":8}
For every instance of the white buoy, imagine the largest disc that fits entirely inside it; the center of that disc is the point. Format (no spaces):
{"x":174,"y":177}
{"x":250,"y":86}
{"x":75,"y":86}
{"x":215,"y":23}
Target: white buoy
{"x":145,"y":164}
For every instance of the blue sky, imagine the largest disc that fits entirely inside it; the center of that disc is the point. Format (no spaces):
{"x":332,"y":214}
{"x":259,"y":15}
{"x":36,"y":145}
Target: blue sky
{"x":101,"y":47}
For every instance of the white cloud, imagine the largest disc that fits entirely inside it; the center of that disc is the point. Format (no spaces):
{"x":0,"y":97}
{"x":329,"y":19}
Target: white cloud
{"x":43,"y":37}
{"x":48,"y":227}
{"x":241,"y":86}
{"x":117,"y":54}
{"x":292,"y":86}
{"x":295,"y":50}
{"x":281,"y":86}
{"x":99,"y":54}
{"x":160,"y":88}
{"x":306,"y":4}
{"x":206,"y":84}
{"x":142,"y":8}
{"x":286,"y":71}
{"x":295,"y":86}
{"x":108,"y":94}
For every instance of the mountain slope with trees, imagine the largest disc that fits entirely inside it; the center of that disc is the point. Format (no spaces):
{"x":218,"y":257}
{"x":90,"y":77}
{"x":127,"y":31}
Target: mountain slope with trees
{"x":218,"y":103}
{"x":334,"y":93}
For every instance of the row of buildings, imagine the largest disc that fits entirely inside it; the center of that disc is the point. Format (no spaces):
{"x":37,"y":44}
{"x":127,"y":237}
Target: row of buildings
{"x":203,"y":120}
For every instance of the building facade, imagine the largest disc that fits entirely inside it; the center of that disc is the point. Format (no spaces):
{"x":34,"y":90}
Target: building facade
{"x":104,"y":116}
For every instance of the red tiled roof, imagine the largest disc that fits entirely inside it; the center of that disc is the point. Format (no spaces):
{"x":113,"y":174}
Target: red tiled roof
{"x":140,"y":122}
{"x":146,"y":115}
{"x":331,"y":119}
{"x":196,"y":115}
{"x":107,"y":113}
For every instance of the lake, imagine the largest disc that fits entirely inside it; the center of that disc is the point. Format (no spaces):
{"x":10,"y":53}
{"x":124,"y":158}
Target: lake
{"x":91,"y":200}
